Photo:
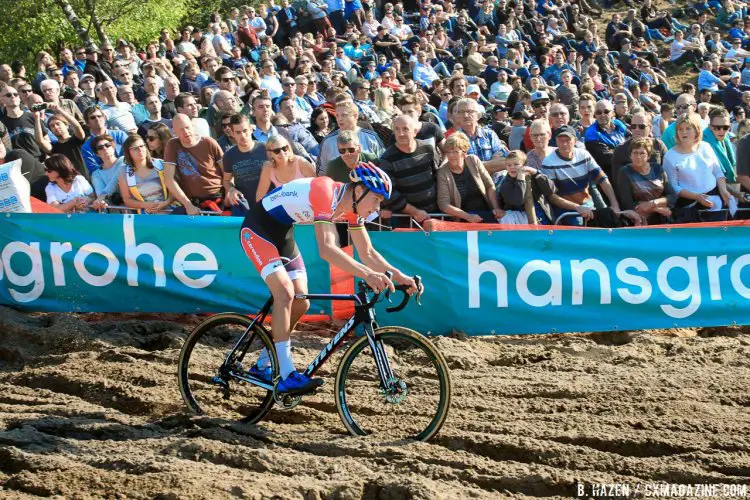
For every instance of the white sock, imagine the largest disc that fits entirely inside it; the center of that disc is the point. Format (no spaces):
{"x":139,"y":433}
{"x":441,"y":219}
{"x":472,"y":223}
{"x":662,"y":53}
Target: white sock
{"x":284,"y":353}
{"x":264,"y":360}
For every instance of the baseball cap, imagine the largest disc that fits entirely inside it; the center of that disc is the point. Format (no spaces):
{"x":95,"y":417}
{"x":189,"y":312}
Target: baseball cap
{"x":87,"y":76}
{"x":534,"y":66}
{"x":624,"y":41}
{"x":93,"y":49}
{"x":539,"y":95}
{"x":122,"y":43}
{"x":473,"y":89}
{"x":735,"y":75}
{"x":566,"y":130}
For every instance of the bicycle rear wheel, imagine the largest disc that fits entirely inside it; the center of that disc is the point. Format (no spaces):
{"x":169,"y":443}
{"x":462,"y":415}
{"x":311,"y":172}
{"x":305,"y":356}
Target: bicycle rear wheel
{"x":205,"y":380}
{"x":417,"y":404}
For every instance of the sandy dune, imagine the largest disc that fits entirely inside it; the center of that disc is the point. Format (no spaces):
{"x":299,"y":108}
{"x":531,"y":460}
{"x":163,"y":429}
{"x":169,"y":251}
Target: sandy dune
{"x":90,"y":408}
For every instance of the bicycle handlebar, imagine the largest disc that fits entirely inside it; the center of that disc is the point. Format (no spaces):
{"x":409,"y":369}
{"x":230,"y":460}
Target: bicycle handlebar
{"x":399,"y":288}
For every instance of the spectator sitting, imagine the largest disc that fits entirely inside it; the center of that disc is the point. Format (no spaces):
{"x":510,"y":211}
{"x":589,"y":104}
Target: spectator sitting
{"x":126,"y":95}
{"x":282,"y":166}
{"x":640,"y":128}
{"x":524,"y":193}
{"x":694,"y":172}
{"x":351,"y":155}
{"x":605,"y":135}
{"x":411,"y":166}
{"x":320,"y":124}
{"x":157,"y":136}
{"x":105,"y":179}
{"x":573,"y":170}
{"x":465,"y":189}
{"x":347,"y":115}
{"x":118,"y":113}
{"x":68,"y":191}
{"x":483,"y":141}
{"x":643,"y":186}
{"x":141,"y":183}
{"x":187,"y":105}
{"x":541,"y":136}
{"x":717,"y":136}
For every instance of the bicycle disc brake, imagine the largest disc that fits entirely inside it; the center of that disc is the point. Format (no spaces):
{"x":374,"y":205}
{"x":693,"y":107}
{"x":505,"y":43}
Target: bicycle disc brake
{"x":396,"y":392}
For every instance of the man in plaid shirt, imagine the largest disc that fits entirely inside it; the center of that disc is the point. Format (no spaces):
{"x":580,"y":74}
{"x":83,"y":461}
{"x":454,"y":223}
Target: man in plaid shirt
{"x":483,"y":141}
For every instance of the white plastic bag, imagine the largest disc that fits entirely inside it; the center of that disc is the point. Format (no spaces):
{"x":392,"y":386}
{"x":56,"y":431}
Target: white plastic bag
{"x":15,"y":190}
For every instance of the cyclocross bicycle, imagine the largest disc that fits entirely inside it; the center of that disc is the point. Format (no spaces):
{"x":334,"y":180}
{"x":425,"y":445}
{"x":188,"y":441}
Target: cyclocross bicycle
{"x":401,"y":387}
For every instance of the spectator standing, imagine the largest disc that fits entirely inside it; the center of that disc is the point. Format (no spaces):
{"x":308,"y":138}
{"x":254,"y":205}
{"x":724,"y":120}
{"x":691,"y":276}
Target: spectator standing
{"x":69,"y":145}
{"x":243,"y":164}
{"x":283,"y":166}
{"x":350,"y":155}
{"x":197,"y":161}
{"x":20,"y":123}
{"x":105,"y":179}
{"x":347,"y":115}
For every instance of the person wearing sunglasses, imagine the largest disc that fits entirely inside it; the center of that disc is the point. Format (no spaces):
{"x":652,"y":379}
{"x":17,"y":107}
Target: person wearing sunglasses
{"x":283,"y":166}
{"x":19,"y":122}
{"x":105,"y":180}
{"x":643,"y":187}
{"x":717,"y":136}
{"x":157,"y":136}
{"x":641,"y":126}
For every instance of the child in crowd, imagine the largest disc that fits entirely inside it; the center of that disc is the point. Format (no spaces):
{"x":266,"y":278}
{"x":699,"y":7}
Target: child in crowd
{"x":523,"y":192}
{"x":662,"y":120}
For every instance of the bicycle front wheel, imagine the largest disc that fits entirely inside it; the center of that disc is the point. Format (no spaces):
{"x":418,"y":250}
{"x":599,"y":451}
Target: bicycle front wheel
{"x":416,"y":403}
{"x":209,"y":386}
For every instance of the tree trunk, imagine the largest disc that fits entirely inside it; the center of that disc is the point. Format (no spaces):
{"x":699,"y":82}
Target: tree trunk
{"x":80,"y":30}
{"x":96,"y":22}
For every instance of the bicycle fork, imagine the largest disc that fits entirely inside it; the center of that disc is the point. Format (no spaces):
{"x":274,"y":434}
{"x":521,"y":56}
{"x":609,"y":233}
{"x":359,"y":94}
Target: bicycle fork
{"x":381,"y":358}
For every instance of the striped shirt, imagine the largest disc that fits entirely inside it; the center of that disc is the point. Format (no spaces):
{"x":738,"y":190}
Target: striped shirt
{"x":572,"y":177}
{"x":413,"y":177}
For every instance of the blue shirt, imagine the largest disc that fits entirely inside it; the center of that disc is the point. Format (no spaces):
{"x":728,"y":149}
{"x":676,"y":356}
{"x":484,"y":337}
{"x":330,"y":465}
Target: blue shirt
{"x":334,"y":5}
{"x":485,"y":144}
{"x":707,"y":80}
{"x":90,"y":158}
{"x":595,"y":133}
{"x":552,"y":73}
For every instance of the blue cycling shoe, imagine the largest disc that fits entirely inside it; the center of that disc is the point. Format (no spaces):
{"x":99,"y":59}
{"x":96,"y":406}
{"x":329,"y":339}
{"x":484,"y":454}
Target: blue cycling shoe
{"x":264,"y":375}
{"x":297,"y":383}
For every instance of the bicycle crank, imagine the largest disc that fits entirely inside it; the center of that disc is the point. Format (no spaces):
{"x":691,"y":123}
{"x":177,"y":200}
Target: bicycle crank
{"x":286,"y":401}
{"x":396,"y":392}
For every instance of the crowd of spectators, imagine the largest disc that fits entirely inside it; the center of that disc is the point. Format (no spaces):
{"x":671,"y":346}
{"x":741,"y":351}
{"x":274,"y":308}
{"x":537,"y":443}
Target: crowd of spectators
{"x":515,"y":111}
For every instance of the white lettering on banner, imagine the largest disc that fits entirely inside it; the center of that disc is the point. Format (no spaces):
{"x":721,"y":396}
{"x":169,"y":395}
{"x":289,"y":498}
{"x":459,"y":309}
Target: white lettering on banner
{"x":692,"y":291}
{"x":113,"y":265}
{"x":56,"y":250}
{"x":734,"y":275}
{"x":477,"y":269}
{"x":638,"y":288}
{"x":633,"y":280}
{"x":578,"y":267}
{"x":133,"y":251}
{"x":82,"y":264}
{"x":553,"y":295}
{"x":31,"y":250}
{"x":181,"y":264}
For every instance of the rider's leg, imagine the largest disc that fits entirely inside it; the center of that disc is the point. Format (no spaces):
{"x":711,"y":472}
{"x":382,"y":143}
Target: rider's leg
{"x":299,"y":307}
{"x":282,"y":290}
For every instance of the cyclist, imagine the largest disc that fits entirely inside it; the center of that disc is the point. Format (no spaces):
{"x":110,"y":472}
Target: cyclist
{"x":267,"y":236}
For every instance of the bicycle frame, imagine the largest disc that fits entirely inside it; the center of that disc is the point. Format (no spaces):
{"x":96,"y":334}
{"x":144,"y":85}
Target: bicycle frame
{"x":363,"y":314}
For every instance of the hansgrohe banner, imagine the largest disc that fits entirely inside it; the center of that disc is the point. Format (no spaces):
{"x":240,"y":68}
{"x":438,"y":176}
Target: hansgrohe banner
{"x":480,"y":282}
{"x":136,"y":263}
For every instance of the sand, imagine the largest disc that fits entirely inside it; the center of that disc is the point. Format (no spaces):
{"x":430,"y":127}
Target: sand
{"x":90,"y":408}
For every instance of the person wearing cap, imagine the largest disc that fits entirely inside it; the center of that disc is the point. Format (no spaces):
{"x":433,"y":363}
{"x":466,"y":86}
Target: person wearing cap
{"x":573,"y":170}
{"x":126,"y":54}
{"x":474,"y":92}
{"x":483,"y":141}
{"x":92,"y":64}
{"x":605,"y":134}
{"x":540,"y":104}
{"x":733,"y":91}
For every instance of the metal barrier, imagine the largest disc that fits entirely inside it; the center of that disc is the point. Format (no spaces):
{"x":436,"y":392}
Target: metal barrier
{"x":412,"y":223}
{"x":119,"y":209}
{"x":724,"y":211}
{"x":568,"y":214}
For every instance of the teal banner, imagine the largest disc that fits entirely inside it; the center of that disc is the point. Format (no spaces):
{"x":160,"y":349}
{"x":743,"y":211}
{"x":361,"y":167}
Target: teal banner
{"x":136,"y":263}
{"x":479,"y":282}
{"x":544,"y":281}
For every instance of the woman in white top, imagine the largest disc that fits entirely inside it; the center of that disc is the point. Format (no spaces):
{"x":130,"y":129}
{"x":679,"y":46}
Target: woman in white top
{"x":693,"y":169}
{"x":67,"y":190}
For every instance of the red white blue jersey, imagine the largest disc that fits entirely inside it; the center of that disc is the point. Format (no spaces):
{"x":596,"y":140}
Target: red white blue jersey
{"x":310,"y":199}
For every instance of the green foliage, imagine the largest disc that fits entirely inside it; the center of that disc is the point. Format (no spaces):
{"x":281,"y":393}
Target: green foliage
{"x":28,"y":26}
